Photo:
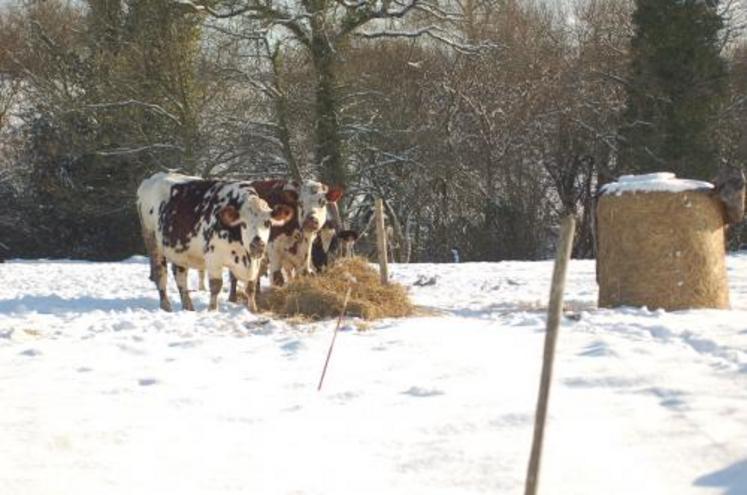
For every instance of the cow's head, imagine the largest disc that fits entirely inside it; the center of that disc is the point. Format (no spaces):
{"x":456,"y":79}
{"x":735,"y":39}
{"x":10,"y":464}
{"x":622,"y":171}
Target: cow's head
{"x":255,"y":218}
{"x":313,"y":198}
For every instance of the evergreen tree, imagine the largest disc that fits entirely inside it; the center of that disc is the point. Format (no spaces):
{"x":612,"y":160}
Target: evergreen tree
{"x":676,"y":86}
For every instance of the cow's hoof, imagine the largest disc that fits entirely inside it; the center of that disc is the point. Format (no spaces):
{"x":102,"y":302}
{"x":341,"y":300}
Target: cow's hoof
{"x":233,"y":298}
{"x":166,"y":307}
{"x":189,"y":307}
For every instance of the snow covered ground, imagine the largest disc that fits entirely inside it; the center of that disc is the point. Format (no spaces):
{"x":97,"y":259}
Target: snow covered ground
{"x":102,"y":393}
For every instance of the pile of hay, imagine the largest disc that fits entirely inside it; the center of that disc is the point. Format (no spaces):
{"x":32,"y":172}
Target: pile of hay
{"x":321,"y":296}
{"x":661,"y":250}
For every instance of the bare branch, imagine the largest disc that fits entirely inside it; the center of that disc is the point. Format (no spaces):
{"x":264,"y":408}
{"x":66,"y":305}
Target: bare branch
{"x":429,"y":31}
{"x":130,"y":151}
{"x":150,"y":106}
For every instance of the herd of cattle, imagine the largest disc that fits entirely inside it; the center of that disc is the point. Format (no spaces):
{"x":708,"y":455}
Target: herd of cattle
{"x":277,"y":226}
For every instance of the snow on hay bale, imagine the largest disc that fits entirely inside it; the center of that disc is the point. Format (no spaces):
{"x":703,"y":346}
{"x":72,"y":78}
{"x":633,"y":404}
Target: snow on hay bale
{"x":661,"y":244}
{"x":322,"y":295}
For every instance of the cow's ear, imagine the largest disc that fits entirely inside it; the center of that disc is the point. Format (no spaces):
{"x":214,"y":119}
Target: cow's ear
{"x":281,"y":214}
{"x":334,"y":194}
{"x":229,"y":216}
{"x":290,"y":197}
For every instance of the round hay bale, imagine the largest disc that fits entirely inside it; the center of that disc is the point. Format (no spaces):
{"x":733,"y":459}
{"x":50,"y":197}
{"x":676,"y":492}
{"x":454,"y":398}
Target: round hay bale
{"x":661,"y":244}
{"x":322,"y":295}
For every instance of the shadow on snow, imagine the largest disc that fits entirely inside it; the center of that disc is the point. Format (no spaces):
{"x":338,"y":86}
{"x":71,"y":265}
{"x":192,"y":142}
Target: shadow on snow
{"x":733,"y":479}
{"x":56,"y":304}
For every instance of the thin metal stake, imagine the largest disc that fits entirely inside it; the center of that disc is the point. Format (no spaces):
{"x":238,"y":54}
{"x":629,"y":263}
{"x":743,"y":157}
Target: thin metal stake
{"x":334,"y":336}
{"x":554,"y":312}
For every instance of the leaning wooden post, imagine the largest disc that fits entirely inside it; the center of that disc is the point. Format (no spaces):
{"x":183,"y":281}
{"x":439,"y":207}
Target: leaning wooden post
{"x":381,"y":241}
{"x":554,"y":312}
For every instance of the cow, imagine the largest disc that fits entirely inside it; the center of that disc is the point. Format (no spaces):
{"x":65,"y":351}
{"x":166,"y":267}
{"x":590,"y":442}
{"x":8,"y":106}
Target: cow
{"x":289,"y":252}
{"x":205,"y":224}
{"x":289,"y":249}
{"x":331,"y":243}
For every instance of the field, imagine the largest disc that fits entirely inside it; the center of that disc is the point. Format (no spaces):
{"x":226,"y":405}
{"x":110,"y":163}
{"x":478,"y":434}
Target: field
{"x":102,"y":393}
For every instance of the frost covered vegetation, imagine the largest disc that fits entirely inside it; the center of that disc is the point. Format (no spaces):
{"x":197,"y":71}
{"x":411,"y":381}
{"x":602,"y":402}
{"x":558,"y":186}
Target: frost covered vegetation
{"x":479,"y":121}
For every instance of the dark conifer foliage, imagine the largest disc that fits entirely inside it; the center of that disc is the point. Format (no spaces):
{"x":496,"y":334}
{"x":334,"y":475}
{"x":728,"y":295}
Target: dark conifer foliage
{"x":676,"y":87}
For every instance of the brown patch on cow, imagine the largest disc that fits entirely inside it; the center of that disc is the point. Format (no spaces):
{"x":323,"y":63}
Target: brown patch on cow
{"x":274,"y":192}
{"x":229,"y":216}
{"x":179,"y":216}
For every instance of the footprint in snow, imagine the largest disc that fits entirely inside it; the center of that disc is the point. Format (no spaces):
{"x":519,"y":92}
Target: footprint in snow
{"x":423,"y":392}
{"x":597,"y":349}
{"x":31,"y":352}
{"x":424,"y":281}
{"x":185,"y":344}
{"x":292,"y":347}
{"x":145,"y":382}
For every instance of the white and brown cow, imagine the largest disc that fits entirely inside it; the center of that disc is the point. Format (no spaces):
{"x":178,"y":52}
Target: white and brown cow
{"x":205,"y":224}
{"x":289,"y":252}
{"x":289,"y":249}
{"x":332,"y":243}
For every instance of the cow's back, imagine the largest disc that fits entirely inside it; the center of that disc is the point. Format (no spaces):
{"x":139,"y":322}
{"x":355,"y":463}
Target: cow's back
{"x":155,"y":191}
{"x":190,"y":206}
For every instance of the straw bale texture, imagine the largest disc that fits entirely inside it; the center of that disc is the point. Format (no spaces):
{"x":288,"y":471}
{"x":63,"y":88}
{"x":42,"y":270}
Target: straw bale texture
{"x":661,"y":250}
{"x":322,"y":295}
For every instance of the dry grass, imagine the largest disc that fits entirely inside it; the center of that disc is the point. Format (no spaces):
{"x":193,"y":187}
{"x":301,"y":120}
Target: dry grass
{"x":321,"y":296}
{"x":661,"y":250}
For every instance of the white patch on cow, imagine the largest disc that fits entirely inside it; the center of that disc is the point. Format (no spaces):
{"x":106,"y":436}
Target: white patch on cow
{"x":312,"y":203}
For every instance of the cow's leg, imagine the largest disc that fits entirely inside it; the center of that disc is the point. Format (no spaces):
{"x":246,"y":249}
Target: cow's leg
{"x":306,"y":262}
{"x":263,"y":267}
{"x":215,"y":282}
{"x":149,"y":239}
{"x":180,"y":274}
{"x":275,"y":270}
{"x":232,"y":297}
{"x":201,"y":280}
{"x":162,"y":279}
{"x":251,"y":294}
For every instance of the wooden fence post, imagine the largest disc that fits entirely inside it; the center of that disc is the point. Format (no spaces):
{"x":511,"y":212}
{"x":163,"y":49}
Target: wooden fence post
{"x":554,"y":313}
{"x":381,"y":241}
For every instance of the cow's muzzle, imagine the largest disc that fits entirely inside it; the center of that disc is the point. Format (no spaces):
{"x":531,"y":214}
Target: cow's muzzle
{"x":311,"y":224}
{"x":257,"y":248}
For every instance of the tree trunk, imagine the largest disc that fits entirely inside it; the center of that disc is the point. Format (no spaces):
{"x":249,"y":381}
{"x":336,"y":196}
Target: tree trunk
{"x":280,"y":102}
{"x":327,"y":148}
